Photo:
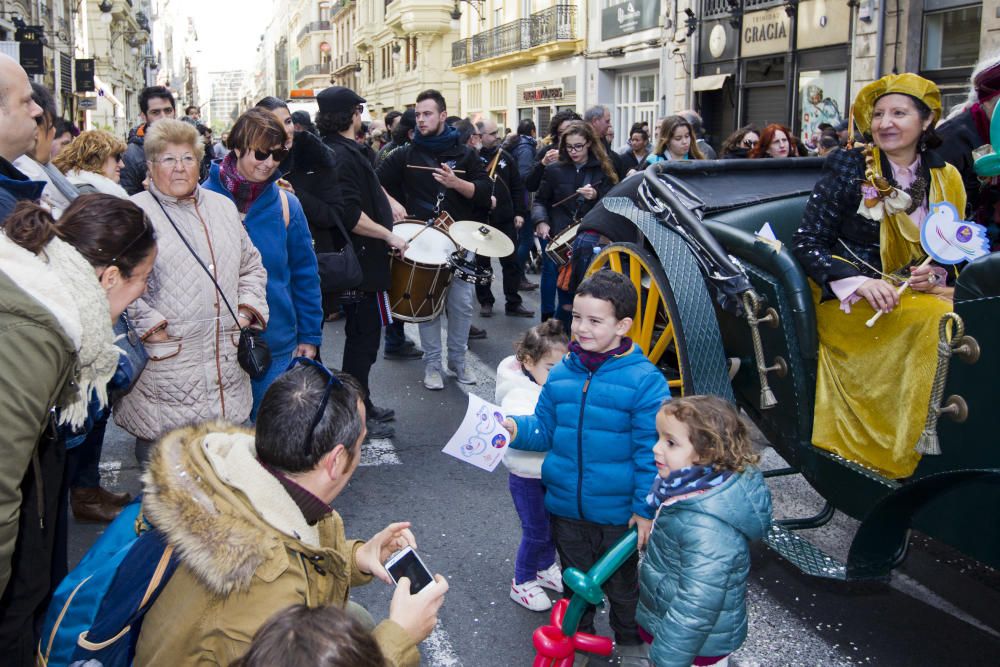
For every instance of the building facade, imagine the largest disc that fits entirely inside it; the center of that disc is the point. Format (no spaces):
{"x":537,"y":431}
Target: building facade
{"x":404,"y":47}
{"x":520,"y":60}
{"x":224,"y":106}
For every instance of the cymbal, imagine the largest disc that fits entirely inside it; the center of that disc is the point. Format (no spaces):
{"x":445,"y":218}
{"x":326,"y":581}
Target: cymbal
{"x":480,"y":238}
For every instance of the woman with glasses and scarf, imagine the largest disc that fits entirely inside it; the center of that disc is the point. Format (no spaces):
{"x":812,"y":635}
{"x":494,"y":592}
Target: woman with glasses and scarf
{"x":278,"y":227}
{"x":739,"y":144}
{"x":192,"y":374}
{"x":570,"y":187}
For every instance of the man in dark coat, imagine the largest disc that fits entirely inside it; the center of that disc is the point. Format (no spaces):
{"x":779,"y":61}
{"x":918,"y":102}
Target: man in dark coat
{"x":508,"y":216}
{"x":155,"y":102}
{"x":433,"y":174}
{"x":365,"y":211}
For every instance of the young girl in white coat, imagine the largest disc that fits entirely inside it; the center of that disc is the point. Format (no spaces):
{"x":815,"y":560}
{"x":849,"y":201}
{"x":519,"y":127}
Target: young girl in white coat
{"x":519,"y":382}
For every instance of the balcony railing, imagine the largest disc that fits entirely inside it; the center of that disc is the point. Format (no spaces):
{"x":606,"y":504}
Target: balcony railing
{"x":312,"y":70}
{"x":315,"y":26}
{"x":549,"y":25}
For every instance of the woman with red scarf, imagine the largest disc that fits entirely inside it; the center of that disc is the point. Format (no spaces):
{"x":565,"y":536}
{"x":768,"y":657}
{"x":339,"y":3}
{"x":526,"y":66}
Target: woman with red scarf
{"x":966,"y":129}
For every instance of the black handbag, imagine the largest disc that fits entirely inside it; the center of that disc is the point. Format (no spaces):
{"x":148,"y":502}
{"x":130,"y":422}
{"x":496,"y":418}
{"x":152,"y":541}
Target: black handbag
{"x":340,"y":270}
{"x":252,"y":352}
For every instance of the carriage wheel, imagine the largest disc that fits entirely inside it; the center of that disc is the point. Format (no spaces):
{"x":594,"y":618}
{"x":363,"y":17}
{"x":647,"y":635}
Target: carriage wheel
{"x":656,"y":324}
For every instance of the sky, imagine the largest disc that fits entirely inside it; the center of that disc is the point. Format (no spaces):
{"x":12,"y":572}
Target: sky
{"x":228,"y":31}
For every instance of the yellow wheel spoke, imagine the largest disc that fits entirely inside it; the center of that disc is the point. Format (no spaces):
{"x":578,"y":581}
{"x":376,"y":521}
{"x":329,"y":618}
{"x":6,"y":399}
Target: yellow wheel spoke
{"x":675,"y":384}
{"x":649,"y":317}
{"x":616,"y":262}
{"x":665,"y":339}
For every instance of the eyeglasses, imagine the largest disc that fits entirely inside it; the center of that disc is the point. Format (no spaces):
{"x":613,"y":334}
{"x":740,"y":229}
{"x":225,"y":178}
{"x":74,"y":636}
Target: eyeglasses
{"x":142,"y":235}
{"x":332,"y":381}
{"x":117,"y":157}
{"x":360,"y":108}
{"x":576,"y":148}
{"x":171,"y":161}
{"x":279,"y":154}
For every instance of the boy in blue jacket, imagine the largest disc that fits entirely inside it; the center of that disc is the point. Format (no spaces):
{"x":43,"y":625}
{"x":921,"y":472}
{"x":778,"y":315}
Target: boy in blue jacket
{"x":596,"y":418}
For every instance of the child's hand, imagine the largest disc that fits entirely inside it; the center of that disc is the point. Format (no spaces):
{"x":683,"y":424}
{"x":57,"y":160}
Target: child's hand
{"x":645,"y":526}
{"x":509,"y":425}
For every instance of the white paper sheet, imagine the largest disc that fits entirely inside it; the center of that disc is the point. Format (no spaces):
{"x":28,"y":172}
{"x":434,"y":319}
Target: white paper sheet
{"x":480,"y":439}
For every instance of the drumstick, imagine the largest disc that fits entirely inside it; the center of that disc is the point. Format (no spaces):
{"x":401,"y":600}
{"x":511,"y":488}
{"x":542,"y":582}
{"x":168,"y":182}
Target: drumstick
{"x":902,"y":288}
{"x":566,"y":199}
{"x":417,"y":166}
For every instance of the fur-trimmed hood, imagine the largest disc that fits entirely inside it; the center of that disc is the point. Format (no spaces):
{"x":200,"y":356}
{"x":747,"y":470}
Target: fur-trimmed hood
{"x":226,"y":515}
{"x":309,"y":153}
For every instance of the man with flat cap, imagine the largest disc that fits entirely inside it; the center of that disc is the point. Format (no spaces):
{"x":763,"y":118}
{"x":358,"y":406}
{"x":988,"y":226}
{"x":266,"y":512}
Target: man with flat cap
{"x":366,"y":214}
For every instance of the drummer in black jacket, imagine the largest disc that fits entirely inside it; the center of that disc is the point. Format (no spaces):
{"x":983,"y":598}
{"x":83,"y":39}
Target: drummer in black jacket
{"x":366,"y":213}
{"x":508,"y":216}
{"x":434,"y":174}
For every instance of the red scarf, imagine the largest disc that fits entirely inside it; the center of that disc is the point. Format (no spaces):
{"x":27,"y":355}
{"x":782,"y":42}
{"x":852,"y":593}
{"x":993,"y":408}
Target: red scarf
{"x":982,"y":121}
{"x":244,"y":192}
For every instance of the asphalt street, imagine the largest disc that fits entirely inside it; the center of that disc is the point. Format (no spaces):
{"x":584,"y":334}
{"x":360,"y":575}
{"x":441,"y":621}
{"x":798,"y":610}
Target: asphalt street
{"x":939,"y":608}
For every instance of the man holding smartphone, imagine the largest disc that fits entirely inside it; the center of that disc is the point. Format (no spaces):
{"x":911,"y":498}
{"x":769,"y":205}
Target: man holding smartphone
{"x":250,"y":520}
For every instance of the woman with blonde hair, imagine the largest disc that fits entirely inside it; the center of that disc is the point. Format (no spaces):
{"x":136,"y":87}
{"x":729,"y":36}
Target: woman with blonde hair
{"x":569,"y":189}
{"x":677,"y":141}
{"x":93,"y":163}
{"x":193,"y":374}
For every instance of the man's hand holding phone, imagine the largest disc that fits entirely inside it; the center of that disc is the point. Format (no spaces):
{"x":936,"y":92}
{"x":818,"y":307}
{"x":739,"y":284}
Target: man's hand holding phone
{"x":374,"y":552}
{"x":417,"y":614}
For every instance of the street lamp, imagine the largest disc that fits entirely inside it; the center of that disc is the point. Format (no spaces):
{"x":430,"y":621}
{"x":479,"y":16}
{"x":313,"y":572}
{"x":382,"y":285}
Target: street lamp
{"x":456,"y":13}
{"x":106,"y":6}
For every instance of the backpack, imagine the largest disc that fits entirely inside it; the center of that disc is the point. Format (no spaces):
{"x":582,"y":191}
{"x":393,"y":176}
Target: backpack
{"x":97,"y":610}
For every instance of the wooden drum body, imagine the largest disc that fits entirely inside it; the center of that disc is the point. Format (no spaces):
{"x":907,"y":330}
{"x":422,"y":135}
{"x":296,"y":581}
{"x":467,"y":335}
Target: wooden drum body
{"x":421,"y":276}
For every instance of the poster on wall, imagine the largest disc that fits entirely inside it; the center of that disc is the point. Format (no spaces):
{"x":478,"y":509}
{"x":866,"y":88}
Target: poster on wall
{"x":821,"y":98}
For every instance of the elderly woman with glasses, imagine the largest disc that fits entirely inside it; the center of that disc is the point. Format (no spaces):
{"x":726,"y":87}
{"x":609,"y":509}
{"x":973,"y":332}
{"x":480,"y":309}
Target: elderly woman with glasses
{"x":277,"y":226}
{"x":570,"y":187}
{"x":193,"y":374}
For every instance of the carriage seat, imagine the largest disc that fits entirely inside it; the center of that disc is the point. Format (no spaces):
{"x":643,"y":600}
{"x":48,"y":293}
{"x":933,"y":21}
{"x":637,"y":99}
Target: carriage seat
{"x":736,"y":230}
{"x":785,"y":216}
{"x":979,"y":279}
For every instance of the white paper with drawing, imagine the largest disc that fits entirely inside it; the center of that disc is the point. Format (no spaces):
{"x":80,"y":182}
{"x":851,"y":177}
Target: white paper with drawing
{"x":480,"y":439}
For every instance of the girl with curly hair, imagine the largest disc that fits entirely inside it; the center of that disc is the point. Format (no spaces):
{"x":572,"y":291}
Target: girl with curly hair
{"x":711,"y":501}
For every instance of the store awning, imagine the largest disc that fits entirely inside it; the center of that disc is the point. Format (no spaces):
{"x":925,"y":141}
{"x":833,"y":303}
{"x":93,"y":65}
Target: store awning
{"x":710,"y":82}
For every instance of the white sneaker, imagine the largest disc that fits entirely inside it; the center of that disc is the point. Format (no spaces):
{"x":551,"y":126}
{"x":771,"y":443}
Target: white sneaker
{"x":530,"y":596}
{"x":551,"y":578}
{"x":462,"y":375}
{"x":433,"y":379}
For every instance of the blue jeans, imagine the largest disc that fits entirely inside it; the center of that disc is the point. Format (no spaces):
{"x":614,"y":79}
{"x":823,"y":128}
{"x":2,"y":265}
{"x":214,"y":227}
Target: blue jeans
{"x":279,"y":362}
{"x":525,"y":242}
{"x":552,"y":299}
{"x":537,"y":550}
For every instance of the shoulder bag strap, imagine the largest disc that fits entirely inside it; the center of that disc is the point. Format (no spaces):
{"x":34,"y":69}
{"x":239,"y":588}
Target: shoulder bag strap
{"x":187,"y":244}
{"x":284,"y":206}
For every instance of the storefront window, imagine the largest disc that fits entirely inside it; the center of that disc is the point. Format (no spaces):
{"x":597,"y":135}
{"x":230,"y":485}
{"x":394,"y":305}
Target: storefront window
{"x":765,"y":69}
{"x":647,"y":88}
{"x":940,"y":52}
{"x":821,"y":101}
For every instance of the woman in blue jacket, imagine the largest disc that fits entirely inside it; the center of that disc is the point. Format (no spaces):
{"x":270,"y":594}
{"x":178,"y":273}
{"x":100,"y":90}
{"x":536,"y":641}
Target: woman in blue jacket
{"x":277,"y":226}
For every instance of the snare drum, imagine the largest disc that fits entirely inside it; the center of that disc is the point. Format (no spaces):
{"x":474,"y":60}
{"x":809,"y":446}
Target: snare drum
{"x":420,"y":277}
{"x":560,"y":246}
{"x":467,"y":269}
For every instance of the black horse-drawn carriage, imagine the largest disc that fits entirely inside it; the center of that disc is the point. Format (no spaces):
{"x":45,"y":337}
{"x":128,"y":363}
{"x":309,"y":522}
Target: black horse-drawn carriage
{"x":729,"y":312}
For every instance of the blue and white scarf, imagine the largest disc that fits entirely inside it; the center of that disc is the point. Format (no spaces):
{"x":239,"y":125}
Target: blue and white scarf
{"x":691,"y":479}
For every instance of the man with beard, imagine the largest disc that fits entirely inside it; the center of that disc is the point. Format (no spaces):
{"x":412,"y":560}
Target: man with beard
{"x":507,"y":215}
{"x":437,"y":174}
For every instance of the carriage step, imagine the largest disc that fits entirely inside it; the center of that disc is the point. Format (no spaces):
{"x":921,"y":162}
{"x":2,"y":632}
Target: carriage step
{"x":803,"y":554}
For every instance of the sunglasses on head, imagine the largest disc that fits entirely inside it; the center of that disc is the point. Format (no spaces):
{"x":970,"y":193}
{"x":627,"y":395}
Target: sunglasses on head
{"x":279,"y":154}
{"x":331,"y":382}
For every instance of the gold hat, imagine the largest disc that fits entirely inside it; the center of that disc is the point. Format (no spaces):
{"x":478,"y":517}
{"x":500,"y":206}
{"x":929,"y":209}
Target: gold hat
{"x":907,"y":84}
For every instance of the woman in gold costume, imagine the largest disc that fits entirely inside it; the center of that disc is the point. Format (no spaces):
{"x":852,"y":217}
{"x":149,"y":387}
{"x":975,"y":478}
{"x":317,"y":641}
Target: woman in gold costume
{"x":859,"y":241}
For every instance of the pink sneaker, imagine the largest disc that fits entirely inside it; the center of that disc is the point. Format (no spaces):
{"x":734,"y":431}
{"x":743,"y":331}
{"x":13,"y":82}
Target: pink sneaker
{"x":530,"y":596}
{"x":551,"y":578}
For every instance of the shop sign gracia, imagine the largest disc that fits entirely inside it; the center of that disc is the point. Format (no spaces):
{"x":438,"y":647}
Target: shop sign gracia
{"x":765,"y":32}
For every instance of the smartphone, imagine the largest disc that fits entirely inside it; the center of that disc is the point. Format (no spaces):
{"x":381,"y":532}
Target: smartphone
{"x":407,"y":563}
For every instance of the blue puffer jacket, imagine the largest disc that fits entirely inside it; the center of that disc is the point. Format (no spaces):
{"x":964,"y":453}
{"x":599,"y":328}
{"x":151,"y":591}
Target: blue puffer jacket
{"x":293,"y":294}
{"x":693,"y":580}
{"x":599,"y":430}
